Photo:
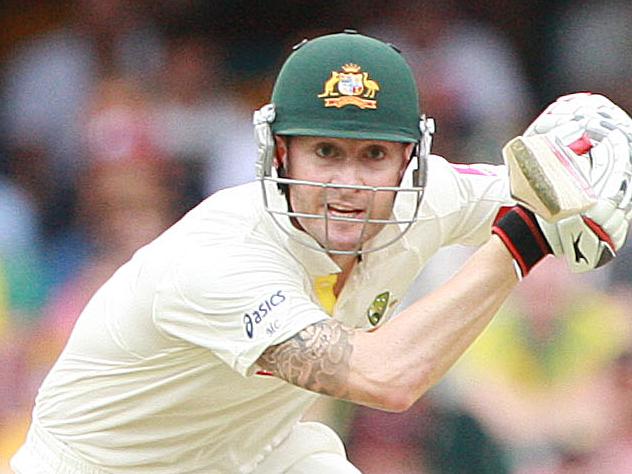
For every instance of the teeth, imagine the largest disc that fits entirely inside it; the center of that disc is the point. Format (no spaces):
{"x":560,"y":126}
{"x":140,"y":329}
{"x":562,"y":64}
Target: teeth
{"x":344,"y":212}
{"x":335,"y":211}
{"x":342,"y":209}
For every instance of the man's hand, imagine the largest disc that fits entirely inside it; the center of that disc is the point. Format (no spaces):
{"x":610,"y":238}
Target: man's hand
{"x":591,"y":239}
{"x":600,"y":136}
{"x":548,"y":177}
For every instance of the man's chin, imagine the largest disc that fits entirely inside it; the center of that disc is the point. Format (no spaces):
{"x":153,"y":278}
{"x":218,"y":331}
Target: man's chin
{"x":348,"y":243}
{"x":344,"y":240}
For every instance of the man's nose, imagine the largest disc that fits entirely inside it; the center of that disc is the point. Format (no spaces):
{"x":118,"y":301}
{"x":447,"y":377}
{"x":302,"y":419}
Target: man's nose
{"x":349,"y":173}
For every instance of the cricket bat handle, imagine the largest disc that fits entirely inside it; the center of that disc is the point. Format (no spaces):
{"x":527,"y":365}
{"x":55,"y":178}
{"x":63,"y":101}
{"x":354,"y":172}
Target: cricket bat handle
{"x":545,"y":175}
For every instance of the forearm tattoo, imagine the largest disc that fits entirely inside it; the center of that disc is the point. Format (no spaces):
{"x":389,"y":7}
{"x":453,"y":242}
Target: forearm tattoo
{"x":317,"y":358}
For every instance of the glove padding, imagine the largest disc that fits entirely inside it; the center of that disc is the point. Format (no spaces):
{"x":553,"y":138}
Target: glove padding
{"x":600,"y":134}
{"x":592,"y":239}
{"x":574,"y":116}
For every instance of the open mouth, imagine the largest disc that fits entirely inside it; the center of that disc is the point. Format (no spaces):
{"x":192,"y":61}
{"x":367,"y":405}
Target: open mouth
{"x":339,"y":210}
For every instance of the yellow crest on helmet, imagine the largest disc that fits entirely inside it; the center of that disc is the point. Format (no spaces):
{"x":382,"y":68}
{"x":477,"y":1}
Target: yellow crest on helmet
{"x":350,"y":86}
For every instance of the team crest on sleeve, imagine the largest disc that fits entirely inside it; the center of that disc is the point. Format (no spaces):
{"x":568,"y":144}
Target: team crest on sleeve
{"x":378,"y":307}
{"x":350,"y":86}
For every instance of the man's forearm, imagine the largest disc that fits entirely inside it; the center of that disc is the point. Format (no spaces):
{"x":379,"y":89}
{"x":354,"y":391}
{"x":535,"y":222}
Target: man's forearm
{"x":410,"y":353}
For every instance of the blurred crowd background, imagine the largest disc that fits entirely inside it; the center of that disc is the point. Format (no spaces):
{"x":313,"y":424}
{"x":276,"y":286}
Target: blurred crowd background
{"x":116,"y":117}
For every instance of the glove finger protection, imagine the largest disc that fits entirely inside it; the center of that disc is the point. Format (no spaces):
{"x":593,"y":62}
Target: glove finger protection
{"x":592,"y":239}
{"x":570,"y":116}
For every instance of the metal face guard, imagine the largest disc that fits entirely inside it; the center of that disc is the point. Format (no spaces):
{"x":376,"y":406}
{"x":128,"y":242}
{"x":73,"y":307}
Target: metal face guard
{"x":404,"y":224}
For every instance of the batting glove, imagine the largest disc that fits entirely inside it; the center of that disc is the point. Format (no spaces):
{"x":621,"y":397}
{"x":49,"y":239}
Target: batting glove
{"x":592,"y":239}
{"x":600,"y":134}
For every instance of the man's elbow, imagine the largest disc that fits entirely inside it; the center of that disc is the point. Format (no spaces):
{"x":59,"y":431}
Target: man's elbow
{"x":397,"y":402}
{"x":396,"y":398}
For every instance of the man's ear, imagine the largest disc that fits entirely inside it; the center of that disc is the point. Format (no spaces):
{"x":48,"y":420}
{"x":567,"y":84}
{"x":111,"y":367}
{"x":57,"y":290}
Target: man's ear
{"x":281,"y":149}
{"x":281,"y":161}
{"x":408,"y":154}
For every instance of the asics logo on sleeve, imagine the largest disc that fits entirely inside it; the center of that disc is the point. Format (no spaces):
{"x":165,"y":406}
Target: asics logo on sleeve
{"x":255,"y":317}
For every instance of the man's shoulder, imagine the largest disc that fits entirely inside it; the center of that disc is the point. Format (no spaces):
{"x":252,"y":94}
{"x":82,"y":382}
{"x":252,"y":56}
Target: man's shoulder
{"x":441,"y":168}
{"x":231,"y":223}
{"x":236,"y":199}
{"x":222,"y":244}
{"x":229,"y":219}
{"x":230,"y":210}
{"x":450,"y":183}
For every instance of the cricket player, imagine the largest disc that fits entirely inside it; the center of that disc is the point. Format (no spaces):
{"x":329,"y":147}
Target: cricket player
{"x":201,"y":353}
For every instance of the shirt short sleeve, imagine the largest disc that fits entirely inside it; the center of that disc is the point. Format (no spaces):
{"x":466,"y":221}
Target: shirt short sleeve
{"x":236,"y":301}
{"x":466,"y":199}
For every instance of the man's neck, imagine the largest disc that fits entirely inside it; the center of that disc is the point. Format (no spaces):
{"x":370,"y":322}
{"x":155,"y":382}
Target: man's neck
{"x":346,"y":263}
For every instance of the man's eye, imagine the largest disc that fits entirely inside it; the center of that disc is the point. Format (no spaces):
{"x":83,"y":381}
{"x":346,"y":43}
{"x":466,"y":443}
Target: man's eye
{"x":325,"y":150}
{"x":375,"y":153}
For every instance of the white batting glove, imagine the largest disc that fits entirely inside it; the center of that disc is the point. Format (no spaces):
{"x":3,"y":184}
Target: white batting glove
{"x":581,"y":115}
{"x":592,"y":239}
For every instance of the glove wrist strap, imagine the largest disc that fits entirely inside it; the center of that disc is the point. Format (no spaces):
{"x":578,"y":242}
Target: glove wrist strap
{"x":518,"y":228}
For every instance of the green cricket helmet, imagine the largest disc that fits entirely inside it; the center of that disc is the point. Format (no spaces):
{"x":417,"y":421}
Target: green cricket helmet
{"x":345,"y":85}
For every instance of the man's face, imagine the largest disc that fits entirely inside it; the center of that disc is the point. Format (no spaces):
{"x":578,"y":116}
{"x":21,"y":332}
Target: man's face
{"x":342,"y":161}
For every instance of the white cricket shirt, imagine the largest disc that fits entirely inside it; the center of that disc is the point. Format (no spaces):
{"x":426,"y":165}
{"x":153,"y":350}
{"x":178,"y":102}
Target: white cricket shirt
{"x":159,"y":374}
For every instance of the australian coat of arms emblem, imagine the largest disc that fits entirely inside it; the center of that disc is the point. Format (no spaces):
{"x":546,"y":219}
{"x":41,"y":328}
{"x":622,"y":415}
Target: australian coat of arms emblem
{"x":350,"y":86}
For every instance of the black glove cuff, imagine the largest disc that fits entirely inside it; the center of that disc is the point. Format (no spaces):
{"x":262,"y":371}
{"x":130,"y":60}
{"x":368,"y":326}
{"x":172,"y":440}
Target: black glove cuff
{"x":518,"y":228}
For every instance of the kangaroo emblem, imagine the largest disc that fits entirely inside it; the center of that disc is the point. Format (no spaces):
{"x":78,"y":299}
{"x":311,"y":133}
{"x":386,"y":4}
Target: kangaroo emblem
{"x":330,"y":85}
